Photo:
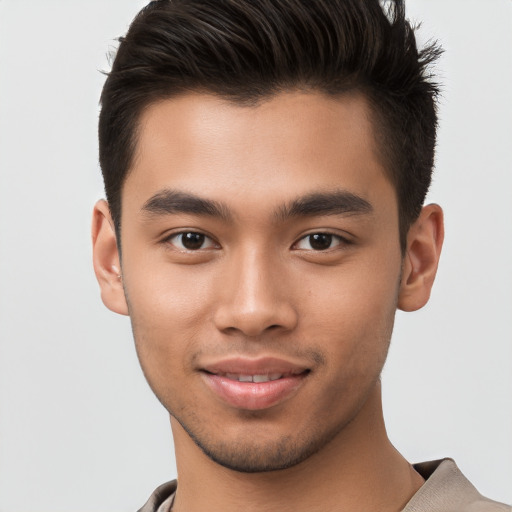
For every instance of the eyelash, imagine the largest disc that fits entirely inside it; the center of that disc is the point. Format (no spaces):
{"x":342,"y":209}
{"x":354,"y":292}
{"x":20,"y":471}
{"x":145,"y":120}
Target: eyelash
{"x":331,"y":237}
{"x":212,"y":243}
{"x":202,"y":238}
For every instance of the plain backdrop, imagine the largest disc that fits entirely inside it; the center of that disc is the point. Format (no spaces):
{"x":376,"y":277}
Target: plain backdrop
{"x":79,"y":428}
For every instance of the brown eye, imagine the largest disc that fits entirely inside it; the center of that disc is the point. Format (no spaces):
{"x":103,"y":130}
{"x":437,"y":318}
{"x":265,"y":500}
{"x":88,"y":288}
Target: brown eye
{"x":191,"y":241}
{"x":319,"y":242}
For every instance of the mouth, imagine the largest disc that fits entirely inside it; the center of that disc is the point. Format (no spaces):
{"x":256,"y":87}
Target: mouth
{"x":258,"y":378}
{"x":254,"y":384}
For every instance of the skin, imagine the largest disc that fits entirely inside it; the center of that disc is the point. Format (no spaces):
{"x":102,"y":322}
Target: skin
{"x":259,"y":287}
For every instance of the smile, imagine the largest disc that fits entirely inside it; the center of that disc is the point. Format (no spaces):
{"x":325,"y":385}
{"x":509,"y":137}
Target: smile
{"x":264,"y":377}
{"x":254,"y":384}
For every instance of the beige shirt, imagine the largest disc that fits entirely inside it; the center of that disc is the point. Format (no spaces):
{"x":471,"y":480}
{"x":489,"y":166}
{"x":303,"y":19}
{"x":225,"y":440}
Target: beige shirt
{"x":446,"y":489}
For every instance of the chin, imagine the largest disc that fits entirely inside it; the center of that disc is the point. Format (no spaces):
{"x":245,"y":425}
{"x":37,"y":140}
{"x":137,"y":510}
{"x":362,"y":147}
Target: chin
{"x":256,"y":455}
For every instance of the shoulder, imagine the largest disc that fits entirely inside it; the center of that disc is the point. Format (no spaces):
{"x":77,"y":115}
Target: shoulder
{"x":446,"y":489}
{"x":162,"y":498}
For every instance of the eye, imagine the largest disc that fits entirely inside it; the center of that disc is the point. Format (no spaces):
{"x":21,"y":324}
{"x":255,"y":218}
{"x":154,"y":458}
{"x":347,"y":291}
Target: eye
{"x":191,"y":241}
{"x":319,"y":242}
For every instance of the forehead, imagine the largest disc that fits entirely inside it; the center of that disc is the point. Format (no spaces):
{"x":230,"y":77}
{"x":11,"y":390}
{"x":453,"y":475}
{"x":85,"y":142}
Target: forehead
{"x":285,"y":146}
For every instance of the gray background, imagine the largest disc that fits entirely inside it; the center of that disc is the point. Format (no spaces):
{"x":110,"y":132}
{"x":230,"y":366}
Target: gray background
{"x":79,"y":428}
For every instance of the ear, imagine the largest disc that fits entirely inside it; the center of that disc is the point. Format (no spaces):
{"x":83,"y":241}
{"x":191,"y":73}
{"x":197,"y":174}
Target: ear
{"x":107,"y":265}
{"x":424,"y":243}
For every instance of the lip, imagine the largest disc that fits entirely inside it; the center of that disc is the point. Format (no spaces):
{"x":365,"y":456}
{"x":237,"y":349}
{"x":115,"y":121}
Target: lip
{"x":219,"y":377}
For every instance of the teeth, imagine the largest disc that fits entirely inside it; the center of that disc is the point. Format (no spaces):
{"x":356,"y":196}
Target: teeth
{"x":254,"y":378}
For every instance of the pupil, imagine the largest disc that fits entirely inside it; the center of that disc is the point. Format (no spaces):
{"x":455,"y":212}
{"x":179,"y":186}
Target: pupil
{"x":320,"y":241}
{"x":192,"y":241}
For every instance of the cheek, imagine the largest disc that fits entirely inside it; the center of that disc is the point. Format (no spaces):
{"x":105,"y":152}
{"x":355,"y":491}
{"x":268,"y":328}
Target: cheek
{"x":353,"y":314}
{"x":167,"y":297}
{"x":355,"y":346}
{"x":168,"y":310}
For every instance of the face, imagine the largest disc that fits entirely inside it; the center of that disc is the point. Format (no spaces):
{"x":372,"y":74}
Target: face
{"x":261,"y":266}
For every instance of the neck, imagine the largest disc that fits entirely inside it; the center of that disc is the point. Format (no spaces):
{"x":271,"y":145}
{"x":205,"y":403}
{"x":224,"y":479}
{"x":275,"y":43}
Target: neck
{"x":359,"y":470}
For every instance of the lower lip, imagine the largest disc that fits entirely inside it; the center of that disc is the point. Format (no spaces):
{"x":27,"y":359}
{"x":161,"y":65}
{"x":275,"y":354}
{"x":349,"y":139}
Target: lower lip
{"x":253,"y":396}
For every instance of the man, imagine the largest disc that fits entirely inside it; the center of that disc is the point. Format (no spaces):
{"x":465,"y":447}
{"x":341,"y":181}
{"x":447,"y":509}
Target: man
{"x":265,"y":165}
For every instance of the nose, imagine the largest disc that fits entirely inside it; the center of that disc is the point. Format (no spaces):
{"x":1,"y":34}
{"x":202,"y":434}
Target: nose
{"x":255,"y":298}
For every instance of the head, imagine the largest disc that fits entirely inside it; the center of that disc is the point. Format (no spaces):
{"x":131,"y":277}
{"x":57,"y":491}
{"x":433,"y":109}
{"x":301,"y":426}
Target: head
{"x":247,"y":52}
{"x":265,"y":165}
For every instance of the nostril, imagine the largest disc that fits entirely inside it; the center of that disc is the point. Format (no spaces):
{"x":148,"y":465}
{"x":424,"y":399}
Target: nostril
{"x":254,"y":319}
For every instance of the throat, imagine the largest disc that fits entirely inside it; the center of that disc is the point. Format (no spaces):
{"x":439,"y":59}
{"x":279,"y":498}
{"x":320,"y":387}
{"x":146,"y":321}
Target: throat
{"x":357,"y":471}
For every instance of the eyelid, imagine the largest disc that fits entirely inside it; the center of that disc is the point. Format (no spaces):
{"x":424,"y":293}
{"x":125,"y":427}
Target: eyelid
{"x":213,"y":244}
{"x":341,"y":241}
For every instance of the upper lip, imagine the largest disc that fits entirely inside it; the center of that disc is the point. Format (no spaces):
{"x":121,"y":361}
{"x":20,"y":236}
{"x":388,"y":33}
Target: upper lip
{"x":254,"y":366}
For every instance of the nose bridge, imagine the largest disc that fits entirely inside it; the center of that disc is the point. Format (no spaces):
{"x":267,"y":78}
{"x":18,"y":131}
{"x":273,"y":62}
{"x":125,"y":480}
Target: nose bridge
{"x":254,"y":298}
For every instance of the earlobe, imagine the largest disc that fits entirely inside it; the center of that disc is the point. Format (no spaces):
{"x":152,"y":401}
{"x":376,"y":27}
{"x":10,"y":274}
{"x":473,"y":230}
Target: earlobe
{"x":106,"y":260}
{"x":424,"y":243}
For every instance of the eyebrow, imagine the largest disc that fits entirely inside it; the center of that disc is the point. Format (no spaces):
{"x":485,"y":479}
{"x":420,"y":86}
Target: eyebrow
{"x":338,"y":202}
{"x":168,"y":202}
{"x":341,"y":202}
